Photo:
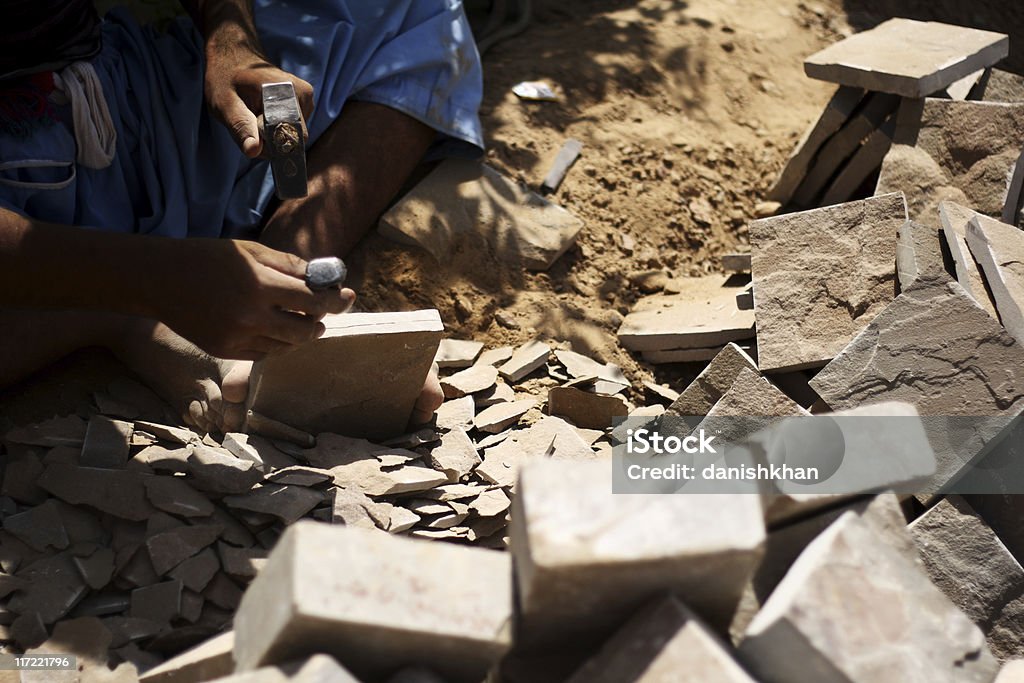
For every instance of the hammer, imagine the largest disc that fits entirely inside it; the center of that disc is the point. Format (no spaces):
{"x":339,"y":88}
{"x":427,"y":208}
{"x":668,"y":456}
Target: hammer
{"x":284,"y":139}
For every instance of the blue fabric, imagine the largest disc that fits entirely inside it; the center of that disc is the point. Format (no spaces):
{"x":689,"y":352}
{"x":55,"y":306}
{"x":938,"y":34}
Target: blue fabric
{"x":178,"y":173}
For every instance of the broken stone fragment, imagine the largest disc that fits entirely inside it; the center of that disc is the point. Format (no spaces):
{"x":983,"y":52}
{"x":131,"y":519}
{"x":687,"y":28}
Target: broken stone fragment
{"x":338,"y":383}
{"x":20,"y":479}
{"x":218,"y":471}
{"x":848,"y":572}
{"x":578,"y":366}
{"x":965,"y":559}
{"x":954,"y":219}
{"x":586,"y":409}
{"x":174,"y":495}
{"x":161,"y":459}
{"x":469,"y":381}
{"x":963,"y":363}
{"x":381,"y":601}
{"x":195,"y":572}
{"x":907,"y":57}
{"x":495,"y":357}
{"x":117,"y":492}
{"x":178,"y":435}
{"x":372,"y":479}
{"x":527,"y":358}
{"x":55,"y":587}
{"x":223,"y":592}
{"x":238,"y":445}
{"x":170,"y":548}
{"x":500,"y":417}
{"x":40,"y":527}
{"x":490,"y":503}
{"x":704,"y":314}
{"x":457,"y":353}
{"x":499,"y":393}
{"x":838,"y":110}
{"x":657,"y":644}
{"x":697,"y":399}
{"x":999,"y":250}
{"x":919,"y":253}
{"x":402,"y":520}
{"x":206,"y":661}
{"x":660,"y":393}
{"x":57,"y":431}
{"x":456,"y":413}
{"x":586,"y":558}
{"x":107,"y":443}
{"x":962,"y":152}
{"x":241,"y":563}
{"x":96,"y":568}
{"x":456,"y":455}
{"x":549,"y":437}
{"x":465,"y":200}
{"x":820,"y":276}
{"x":287,"y":503}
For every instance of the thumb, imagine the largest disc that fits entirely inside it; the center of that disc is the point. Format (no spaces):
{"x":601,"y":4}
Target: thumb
{"x":243,"y":126}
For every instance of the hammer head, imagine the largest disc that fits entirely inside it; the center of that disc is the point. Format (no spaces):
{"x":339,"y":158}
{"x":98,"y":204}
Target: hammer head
{"x":284,"y":139}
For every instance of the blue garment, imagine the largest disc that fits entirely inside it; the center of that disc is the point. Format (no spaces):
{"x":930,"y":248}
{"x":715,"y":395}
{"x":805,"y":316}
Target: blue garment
{"x":177,"y":172}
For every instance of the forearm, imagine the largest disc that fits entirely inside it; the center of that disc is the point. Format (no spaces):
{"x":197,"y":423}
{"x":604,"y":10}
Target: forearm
{"x":225,"y":24}
{"x":43,"y":265}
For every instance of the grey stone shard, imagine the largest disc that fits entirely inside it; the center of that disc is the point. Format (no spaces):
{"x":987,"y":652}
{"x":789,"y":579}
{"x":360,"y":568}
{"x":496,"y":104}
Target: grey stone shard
{"x":968,"y":562}
{"x":852,"y":609}
{"x":935,"y":349}
{"x":908,"y":58}
{"x":954,"y":219}
{"x":657,"y":645}
{"x":999,"y":249}
{"x":375,"y":601}
{"x":709,"y":386}
{"x":919,"y":254}
{"x":964,"y":152}
{"x":586,"y":558}
{"x":820,"y":276}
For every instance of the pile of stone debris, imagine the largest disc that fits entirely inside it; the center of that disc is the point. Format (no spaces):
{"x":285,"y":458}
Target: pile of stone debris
{"x":126,"y":541}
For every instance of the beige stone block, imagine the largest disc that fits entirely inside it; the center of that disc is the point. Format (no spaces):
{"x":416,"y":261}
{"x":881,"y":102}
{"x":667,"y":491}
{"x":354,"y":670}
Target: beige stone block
{"x":854,"y":609}
{"x":999,"y":249}
{"x":362,"y":378}
{"x":377,"y":602}
{"x":586,"y":558}
{"x":907,"y":57}
{"x":820,"y":276}
{"x":704,"y":314}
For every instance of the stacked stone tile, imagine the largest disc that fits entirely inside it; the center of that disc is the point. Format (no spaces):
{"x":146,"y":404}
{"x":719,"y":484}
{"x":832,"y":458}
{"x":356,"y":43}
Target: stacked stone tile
{"x":899,"y":61}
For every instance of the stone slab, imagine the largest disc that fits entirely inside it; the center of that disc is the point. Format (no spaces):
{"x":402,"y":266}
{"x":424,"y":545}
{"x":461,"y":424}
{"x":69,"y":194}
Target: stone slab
{"x":944,"y":150}
{"x":375,"y":602}
{"x":456,"y":455}
{"x":968,"y":562}
{"x":954,"y":219}
{"x":869,"y":117}
{"x":838,"y":110}
{"x":525,"y":359}
{"x":963,"y":364}
{"x":820,"y":276}
{"x":999,"y":250}
{"x":919,"y":254}
{"x":457,"y":353}
{"x":287,"y":503}
{"x":463,"y":199}
{"x":117,"y":492}
{"x":853,"y":608}
{"x":361,"y":378}
{"x":586,"y":558}
{"x":501,"y":416}
{"x":106,"y":443}
{"x":657,"y":645}
{"x":865,"y":162}
{"x":204,"y":662}
{"x":703,"y":314}
{"x":549,"y":437}
{"x":708,"y":387}
{"x":586,"y":409}
{"x":907,"y":57}
{"x":472,"y":380}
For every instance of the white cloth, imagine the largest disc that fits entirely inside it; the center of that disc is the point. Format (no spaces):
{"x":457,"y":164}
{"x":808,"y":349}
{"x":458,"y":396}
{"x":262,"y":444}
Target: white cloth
{"x":95,"y":135}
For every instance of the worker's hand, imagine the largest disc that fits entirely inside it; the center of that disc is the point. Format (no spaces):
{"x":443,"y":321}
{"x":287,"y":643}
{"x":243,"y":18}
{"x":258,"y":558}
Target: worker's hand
{"x":430,"y":399}
{"x":234,"y":90}
{"x":243,"y":300}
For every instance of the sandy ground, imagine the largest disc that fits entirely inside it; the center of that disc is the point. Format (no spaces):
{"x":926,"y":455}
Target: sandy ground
{"x":687,"y":111}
